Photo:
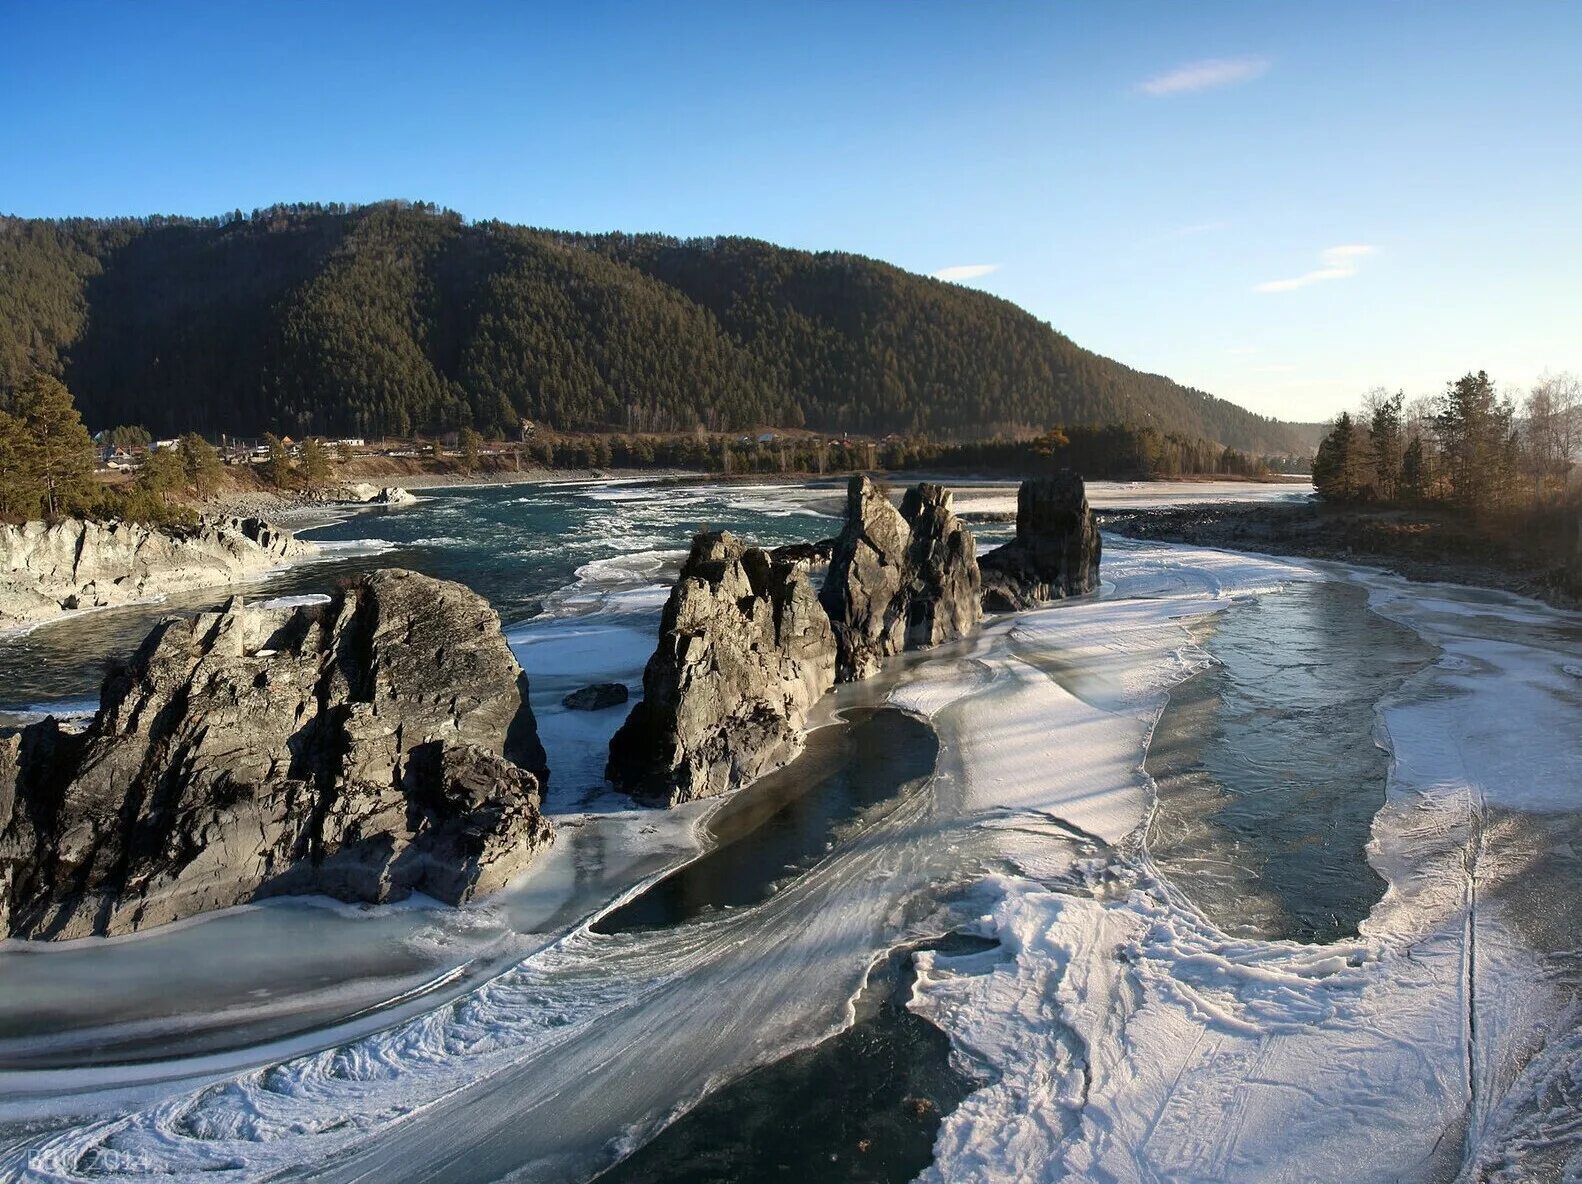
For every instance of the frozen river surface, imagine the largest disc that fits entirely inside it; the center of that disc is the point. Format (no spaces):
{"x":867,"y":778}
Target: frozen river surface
{"x":1258,"y":870}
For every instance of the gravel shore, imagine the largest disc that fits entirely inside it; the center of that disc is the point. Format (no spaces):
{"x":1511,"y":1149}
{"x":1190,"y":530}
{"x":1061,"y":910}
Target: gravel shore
{"x":1422,"y":545}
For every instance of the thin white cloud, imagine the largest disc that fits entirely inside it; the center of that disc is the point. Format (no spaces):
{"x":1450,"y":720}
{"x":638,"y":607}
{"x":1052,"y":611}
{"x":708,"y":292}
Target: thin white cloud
{"x":965,"y":271}
{"x":1274,"y":370}
{"x":1339,"y":263}
{"x":1196,"y":76}
{"x":1242,"y":350}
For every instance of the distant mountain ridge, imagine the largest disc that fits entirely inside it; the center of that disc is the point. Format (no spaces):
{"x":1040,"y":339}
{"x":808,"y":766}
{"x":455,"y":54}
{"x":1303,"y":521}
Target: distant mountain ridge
{"x":399,"y":317}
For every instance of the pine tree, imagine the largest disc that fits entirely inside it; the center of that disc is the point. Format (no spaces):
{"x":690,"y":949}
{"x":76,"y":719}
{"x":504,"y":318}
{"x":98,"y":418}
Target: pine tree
{"x":61,"y":449}
{"x":1342,"y":470}
{"x":315,"y":462}
{"x":202,"y":464}
{"x":1414,"y":469}
{"x":130,"y":437}
{"x":470,"y":442}
{"x":1384,"y":436}
{"x":19,"y":483}
{"x":276,"y":468}
{"x":1475,"y":437}
{"x":162,"y":474}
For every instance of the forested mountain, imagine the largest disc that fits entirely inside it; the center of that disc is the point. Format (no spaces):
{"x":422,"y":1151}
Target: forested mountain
{"x":398,"y":318}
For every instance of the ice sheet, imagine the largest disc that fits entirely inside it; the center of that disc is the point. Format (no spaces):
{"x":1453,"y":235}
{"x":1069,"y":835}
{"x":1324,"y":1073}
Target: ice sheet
{"x":1119,"y":1034}
{"x":1126,"y":1039}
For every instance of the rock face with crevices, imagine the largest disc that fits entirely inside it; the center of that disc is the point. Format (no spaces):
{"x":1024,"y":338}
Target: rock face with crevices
{"x":368,"y":748}
{"x":899,"y":579}
{"x":865,"y":589}
{"x":745,"y":649}
{"x":47,"y":569}
{"x":1056,"y":550}
{"x":944,"y":595}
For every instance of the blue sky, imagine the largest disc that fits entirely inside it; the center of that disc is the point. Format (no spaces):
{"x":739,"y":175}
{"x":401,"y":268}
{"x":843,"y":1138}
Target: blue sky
{"x":1282,"y":203}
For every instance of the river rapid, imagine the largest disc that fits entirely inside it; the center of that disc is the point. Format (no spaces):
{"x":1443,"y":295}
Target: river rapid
{"x":1242,"y":869}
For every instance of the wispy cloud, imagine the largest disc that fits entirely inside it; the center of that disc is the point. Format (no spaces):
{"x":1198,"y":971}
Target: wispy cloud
{"x":1207,"y":75}
{"x":1242,"y":350}
{"x":1339,"y":263}
{"x":965,"y":271}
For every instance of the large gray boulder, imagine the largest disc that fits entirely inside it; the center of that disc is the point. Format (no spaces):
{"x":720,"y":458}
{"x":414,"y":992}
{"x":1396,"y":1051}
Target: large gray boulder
{"x":745,"y":649}
{"x":899,"y":579}
{"x":1056,"y":550}
{"x":596,"y":697}
{"x":368,"y":748}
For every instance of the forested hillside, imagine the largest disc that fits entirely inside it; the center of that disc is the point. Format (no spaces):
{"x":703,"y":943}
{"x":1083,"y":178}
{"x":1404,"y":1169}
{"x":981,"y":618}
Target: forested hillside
{"x":399,"y":318}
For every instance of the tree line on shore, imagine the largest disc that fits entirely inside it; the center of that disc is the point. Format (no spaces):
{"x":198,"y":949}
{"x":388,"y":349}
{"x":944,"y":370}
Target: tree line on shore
{"x":48,"y":459}
{"x":1507,"y":469}
{"x":400,"y":319}
{"x":1468,"y":447}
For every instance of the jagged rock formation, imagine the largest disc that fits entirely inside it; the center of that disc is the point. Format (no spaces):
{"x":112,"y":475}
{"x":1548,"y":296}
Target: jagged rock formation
{"x":868,"y":573}
{"x":899,"y":579}
{"x":1056,"y":550}
{"x":944,"y":598}
{"x":374,"y":746}
{"x":48,"y":569}
{"x":745,"y":649}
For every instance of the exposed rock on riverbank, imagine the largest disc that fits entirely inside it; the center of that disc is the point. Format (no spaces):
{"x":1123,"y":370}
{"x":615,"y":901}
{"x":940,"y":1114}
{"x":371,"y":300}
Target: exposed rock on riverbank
{"x":363,"y":493}
{"x":49,"y":569}
{"x":368,"y":748}
{"x":745,"y":649}
{"x":899,"y":579}
{"x":863,"y":592}
{"x":944,"y":595}
{"x":1056,"y":550}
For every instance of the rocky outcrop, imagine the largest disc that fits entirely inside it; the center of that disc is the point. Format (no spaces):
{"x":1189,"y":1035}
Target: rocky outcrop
{"x":390,"y":495}
{"x":868,"y":573}
{"x":367,"y":748}
{"x":1056,"y":550}
{"x":899,"y":579}
{"x":596,"y":697}
{"x":944,"y":597}
{"x":49,"y":569}
{"x":745,"y":649}
{"x":362,"y":493}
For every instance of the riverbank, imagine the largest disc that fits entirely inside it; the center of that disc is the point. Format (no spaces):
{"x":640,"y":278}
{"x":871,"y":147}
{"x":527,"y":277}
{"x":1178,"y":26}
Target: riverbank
{"x":50,"y":571}
{"x":1425,"y":545}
